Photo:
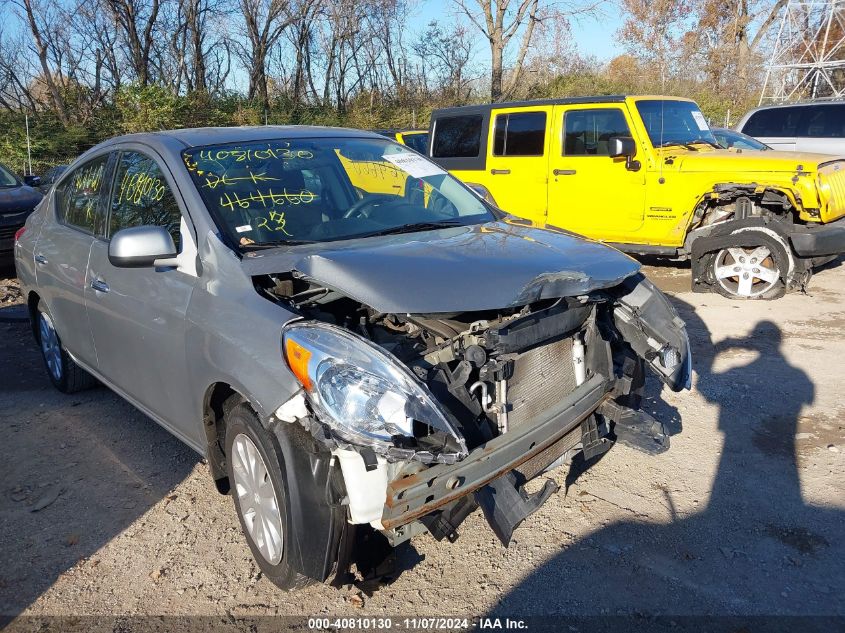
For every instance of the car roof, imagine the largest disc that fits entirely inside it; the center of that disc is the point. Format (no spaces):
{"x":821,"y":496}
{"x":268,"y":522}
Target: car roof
{"x":193,"y":137}
{"x":560,"y":101}
{"x":799,"y":104}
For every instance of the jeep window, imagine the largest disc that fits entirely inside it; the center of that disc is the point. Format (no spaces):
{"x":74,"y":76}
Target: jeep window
{"x":416,"y":141}
{"x":588,"y":132}
{"x":520,"y":134}
{"x":674,"y":122}
{"x":457,"y":137}
{"x":325,"y":189}
{"x":78,"y":197}
{"x":142,"y":197}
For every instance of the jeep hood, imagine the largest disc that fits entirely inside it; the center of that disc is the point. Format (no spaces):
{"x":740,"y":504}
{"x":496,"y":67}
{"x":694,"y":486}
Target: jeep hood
{"x":479,"y":267}
{"x":747,"y":162}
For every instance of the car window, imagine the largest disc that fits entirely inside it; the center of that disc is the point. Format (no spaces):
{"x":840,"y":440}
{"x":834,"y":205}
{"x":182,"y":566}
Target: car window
{"x":457,"y":137}
{"x":777,"y":122}
{"x":142,"y":197}
{"x":520,"y":134}
{"x":588,"y":132}
{"x":325,"y":189}
{"x":78,"y":197}
{"x":417,"y":142}
{"x":7,"y":178}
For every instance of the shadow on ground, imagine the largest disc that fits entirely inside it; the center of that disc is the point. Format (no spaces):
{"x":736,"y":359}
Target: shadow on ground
{"x":756,"y":548}
{"x":90,"y":461}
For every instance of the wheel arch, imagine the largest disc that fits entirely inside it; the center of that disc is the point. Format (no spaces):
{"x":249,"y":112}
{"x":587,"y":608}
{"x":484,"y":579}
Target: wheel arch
{"x":32,"y":301}
{"x":214,"y":424}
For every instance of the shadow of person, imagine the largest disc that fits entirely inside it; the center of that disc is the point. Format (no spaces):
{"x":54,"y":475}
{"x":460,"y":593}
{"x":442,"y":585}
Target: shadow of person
{"x":756,"y":548}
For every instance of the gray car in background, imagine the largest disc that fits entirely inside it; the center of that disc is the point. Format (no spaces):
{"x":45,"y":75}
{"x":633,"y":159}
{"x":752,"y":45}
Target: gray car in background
{"x":362,"y":348}
{"x":817,"y":126}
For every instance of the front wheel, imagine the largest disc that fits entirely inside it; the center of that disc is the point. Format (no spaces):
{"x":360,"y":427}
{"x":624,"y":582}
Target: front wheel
{"x":756,"y":271}
{"x":259,"y":493}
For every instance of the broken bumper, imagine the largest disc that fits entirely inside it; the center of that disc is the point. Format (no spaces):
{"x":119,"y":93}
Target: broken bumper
{"x":415,"y":496}
{"x":819,"y":241}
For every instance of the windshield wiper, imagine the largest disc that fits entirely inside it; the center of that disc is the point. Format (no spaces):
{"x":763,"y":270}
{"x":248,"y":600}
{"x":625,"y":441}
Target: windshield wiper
{"x":686,"y":145}
{"x":275,"y":244}
{"x":413,"y":227}
{"x":710,"y":143}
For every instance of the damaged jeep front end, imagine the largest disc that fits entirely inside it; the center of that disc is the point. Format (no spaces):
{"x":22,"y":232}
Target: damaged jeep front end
{"x":430,"y":416}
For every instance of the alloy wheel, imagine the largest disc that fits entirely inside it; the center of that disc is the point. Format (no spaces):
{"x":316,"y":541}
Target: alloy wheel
{"x":50,"y":346}
{"x":746,"y":272}
{"x":257,"y":498}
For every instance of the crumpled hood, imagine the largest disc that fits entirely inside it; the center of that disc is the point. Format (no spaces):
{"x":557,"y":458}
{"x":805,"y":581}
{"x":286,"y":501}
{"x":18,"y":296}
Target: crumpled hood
{"x":17,"y":199}
{"x":746,"y":162}
{"x":479,"y":267}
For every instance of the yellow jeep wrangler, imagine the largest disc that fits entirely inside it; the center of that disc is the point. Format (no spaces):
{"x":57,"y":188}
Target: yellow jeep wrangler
{"x":646,"y":175}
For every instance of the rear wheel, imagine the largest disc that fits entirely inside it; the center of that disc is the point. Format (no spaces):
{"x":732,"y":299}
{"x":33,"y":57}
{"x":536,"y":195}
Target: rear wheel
{"x":64,"y":373}
{"x":756,"y":271}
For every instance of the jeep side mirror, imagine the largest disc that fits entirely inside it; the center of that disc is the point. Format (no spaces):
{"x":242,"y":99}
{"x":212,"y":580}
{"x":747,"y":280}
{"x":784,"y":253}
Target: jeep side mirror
{"x":142,"y":247}
{"x":32,"y":181}
{"x":624,"y":146}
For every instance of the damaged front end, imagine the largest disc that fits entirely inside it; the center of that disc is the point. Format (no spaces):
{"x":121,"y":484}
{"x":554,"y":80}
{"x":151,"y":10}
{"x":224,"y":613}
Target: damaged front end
{"x":433,"y":415}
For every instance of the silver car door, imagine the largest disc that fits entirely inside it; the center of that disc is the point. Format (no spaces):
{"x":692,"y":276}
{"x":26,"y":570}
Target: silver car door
{"x":138,"y":314}
{"x":72,"y":224}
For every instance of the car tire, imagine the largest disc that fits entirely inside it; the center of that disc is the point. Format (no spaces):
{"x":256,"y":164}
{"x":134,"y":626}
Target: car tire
{"x":64,"y":373}
{"x":259,"y":493}
{"x":752,"y":269}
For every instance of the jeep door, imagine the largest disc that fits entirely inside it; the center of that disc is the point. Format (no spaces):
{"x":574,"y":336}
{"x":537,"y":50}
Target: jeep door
{"x":74,"y":222}
{"x":138,"y":314}
{"x":518,"y":160}
{"x":590,"y":192}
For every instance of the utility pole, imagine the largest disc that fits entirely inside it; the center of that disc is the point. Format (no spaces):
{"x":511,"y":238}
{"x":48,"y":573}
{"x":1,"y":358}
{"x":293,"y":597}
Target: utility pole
{"x":28,"y":146}
{"x":808,"y":57}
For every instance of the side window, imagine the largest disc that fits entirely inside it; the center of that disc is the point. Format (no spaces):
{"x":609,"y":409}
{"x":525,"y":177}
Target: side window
{"x":142,"y":197}
{"x":520,"y":134}
{"x":824,"y":121}
{"x":78,"y":197}
{"x":457,"y":137}
{"x":588,"y":132}
{"x":775,"y":122}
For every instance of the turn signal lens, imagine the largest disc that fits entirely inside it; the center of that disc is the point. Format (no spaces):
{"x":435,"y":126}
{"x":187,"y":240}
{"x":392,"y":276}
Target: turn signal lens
{"x":298,"y":357}
{"x":19,"y":233}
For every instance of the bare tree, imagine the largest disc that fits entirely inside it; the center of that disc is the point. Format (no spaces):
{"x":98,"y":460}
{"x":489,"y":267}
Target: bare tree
{"x":137,"y":20}
{"x":500,"y":21}
{"x":264,"y":22}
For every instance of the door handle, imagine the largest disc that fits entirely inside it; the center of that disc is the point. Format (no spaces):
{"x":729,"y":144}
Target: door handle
{"x":99,"y":285}
{"x":40,"y":259}
{"x":564,"y":172}
{"x":500,"y":172}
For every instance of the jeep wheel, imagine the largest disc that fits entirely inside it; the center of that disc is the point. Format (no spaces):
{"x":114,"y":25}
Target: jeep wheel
{"x":749,"y":272}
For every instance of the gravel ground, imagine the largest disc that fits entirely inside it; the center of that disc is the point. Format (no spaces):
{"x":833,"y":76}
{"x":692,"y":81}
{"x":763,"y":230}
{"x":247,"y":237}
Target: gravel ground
{"x":104,"y":513}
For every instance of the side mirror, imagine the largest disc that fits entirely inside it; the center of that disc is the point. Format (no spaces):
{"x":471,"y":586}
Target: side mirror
{"x":142,"y":247}
{"x":624,"y":146}
{"x":32,"y":181}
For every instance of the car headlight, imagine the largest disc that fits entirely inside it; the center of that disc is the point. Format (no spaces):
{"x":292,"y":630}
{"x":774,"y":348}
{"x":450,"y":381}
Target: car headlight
{"x":367,"y":397}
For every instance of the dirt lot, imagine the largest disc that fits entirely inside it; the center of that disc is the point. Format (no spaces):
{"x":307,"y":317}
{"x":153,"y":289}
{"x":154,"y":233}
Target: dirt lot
{"x":745,"y":514}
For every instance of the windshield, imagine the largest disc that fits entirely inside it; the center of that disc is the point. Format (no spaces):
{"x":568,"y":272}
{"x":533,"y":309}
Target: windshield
{"x":325,"y":189}
{"x":7,"y":178}
{"x":734,"y":140}
{"x":674,"y":122}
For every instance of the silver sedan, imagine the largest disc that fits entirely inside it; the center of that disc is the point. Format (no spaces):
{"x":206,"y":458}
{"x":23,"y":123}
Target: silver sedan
{"x":363,"y":348}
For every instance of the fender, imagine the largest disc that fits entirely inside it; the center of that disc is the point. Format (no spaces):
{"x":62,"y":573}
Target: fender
{"x":317,"y":521}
